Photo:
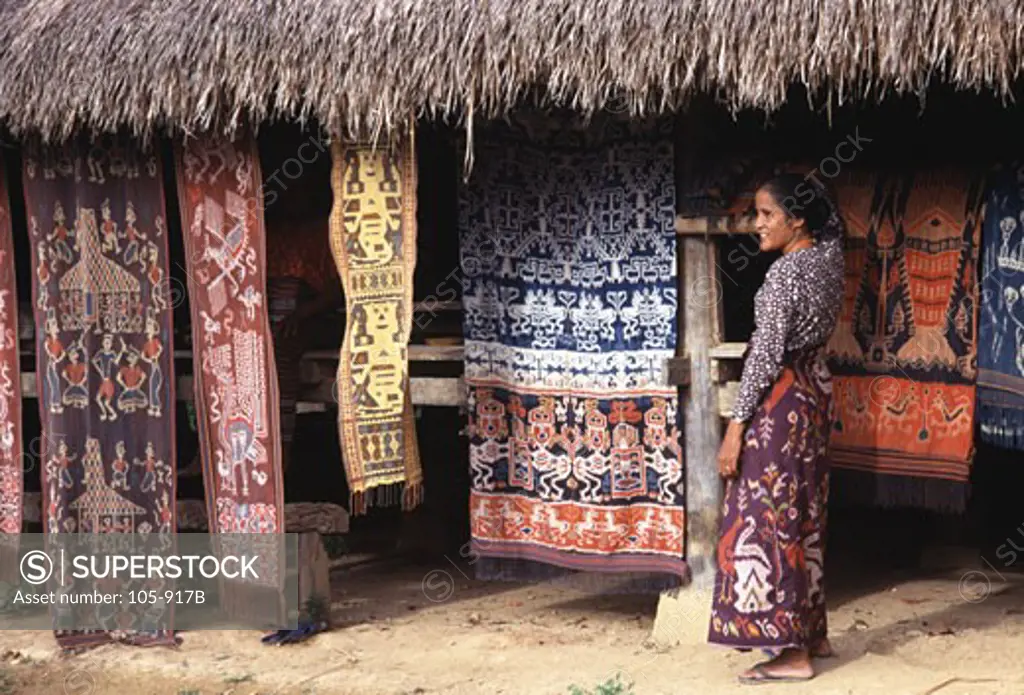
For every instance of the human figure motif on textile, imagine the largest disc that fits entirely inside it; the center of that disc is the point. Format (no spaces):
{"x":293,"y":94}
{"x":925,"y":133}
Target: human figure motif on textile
{"x":108,"y":228}
{"x":152,"y":350}
{"x":54,"y":350}
{"x":60,"y":237}
{"x":62,"y":464}
{"x":76,"y":373}
{"x":149,"y":466}
{"x":132,"y":236}
{"x":131,"y":378}
{"x":43,"y":274}
{"x":119,"y":466}
{"x":106,"y":362}
{"x":155,"y":273}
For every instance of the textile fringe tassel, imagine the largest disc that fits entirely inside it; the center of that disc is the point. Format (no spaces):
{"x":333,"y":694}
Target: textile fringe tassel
{"x":1002,"y":427}
{"x":518,"y":570}
{"x":850,"y":487}
{"x":410,"y":495}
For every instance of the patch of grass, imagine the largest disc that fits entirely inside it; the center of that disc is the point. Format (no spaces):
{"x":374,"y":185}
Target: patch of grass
{"x":188,"y":692}
{"x":612,"y":686}
{"x":7,"y":683}
{"x":316,"y":609}
{"x":334,"y":545}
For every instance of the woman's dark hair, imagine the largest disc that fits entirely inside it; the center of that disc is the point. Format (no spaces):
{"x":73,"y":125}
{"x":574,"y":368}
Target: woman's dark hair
{"x":802,"y":199}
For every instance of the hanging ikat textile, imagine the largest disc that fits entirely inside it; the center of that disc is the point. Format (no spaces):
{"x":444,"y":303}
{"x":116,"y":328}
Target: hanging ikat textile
{"x":1001,"y":329}
{"x":373,"y":238}
{"x":103,"y":350}
{"x":904,"y":351}
{"x":568,"y":252}
{"x":220,"y":194}
{"x":11,"y":459}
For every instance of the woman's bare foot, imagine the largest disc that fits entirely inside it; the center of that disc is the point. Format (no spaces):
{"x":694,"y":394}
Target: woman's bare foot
{"x":790,"y":665}
{"x":822,"y":649}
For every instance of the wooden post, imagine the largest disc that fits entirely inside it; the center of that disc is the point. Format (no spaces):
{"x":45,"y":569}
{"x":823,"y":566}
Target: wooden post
{"x":702,"y":430}
{"x":314,"y":575}
{"x":683,"y":615}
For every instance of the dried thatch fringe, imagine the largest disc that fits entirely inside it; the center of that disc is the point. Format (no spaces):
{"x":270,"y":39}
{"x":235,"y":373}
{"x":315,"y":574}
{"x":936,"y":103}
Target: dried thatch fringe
{"x":365,"y":66}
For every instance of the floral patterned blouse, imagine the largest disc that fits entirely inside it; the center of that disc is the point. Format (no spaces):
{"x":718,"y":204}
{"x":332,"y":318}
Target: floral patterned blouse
{"x":795,"y":309}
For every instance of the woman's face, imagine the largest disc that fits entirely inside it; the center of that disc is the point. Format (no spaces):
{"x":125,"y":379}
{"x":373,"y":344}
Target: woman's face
{"x":775,"y":229}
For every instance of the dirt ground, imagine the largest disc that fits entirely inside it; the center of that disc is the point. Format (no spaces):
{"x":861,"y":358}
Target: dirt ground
{"x":405,"y":629}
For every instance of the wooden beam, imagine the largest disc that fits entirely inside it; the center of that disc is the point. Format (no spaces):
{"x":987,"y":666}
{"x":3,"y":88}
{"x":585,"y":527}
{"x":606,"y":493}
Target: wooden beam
{"x":727,"y":397}
{"x":728,"y":351}
{"x":713,"y":226}
{"x":417,"y":353}
{"x":437,"y":391}
{"x":702,"y":433}
{"x":723,"y":371}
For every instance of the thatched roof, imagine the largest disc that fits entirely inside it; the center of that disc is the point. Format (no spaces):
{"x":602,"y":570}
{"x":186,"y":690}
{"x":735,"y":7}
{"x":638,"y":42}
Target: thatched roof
{"x":371,"y":63}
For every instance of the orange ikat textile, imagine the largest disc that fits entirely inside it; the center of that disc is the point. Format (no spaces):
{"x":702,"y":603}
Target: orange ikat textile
{"x":904,"y":351}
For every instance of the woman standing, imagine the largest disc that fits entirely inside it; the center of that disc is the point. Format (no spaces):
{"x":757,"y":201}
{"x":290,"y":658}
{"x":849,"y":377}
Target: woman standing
{"x":769,"y":592}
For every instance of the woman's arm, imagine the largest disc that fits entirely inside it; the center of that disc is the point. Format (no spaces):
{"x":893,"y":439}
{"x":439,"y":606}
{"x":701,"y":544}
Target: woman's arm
{"x":773,"y":314}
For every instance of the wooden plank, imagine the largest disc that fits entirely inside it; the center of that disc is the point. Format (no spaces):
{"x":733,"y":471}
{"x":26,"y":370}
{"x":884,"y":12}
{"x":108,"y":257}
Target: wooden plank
{"x":314,"y":578}
{"x":728,"y":351}
{"x":435,"y":306}
{"x":438,"y":391}
{"x":726,"y":370}
{"x":727,"y":397}
{"x":417,"y":353}
{"x":713,"y":226}
{"x":679,"y":371}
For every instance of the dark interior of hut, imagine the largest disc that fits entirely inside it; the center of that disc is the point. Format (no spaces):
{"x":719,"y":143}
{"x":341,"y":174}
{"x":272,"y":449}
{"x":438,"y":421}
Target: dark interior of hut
{"x":899,"y":131}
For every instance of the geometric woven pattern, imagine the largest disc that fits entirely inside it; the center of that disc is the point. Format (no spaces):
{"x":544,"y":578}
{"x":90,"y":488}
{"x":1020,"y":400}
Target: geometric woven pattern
{"x":373,"y":238}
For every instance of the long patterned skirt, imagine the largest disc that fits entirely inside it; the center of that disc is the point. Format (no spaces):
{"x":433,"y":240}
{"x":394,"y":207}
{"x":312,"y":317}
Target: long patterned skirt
{"x":769,"y":591}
